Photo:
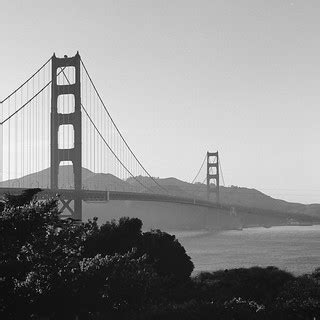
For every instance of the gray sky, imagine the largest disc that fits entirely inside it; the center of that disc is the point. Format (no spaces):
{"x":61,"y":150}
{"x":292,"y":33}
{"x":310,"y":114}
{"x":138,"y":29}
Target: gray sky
{"x":184,"y":77}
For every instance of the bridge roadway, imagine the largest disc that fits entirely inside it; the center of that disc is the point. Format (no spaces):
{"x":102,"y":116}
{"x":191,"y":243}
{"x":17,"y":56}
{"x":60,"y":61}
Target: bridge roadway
{"x":105,"y":196}
{"x":97,"y":196}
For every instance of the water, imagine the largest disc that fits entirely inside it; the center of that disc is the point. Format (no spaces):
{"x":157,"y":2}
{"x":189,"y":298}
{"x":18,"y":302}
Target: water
{"x":295,"y":248}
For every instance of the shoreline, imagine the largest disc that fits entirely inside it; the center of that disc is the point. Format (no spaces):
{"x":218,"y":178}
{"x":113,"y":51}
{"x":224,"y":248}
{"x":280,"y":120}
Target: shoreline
{"x":208,"y":230}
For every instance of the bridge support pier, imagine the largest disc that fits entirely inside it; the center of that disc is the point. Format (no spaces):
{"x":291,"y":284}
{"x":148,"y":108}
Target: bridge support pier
{"x":60,"y":118}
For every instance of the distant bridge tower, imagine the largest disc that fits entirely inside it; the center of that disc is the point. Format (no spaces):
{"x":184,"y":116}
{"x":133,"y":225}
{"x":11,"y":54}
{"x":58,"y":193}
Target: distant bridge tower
{"x":213,"y":175}
{"x":73,"y":87}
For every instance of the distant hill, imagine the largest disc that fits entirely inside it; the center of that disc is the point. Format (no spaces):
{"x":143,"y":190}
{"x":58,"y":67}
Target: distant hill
{"x":238,"y":196}
{"x":90,"y":180}
{"x":235,"y":196}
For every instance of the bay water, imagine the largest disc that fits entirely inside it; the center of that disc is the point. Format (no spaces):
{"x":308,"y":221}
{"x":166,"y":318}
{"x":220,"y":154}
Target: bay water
{"x":292,"y":248}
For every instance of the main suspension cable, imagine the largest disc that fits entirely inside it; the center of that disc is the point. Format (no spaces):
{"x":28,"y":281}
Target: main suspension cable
{"x":12,"y":93}
{"x":220,"y":167}
{"x":194,"y":179}
{"x":106,"y":143}
{"x":125,"y":142}
{"x":30,"y":100}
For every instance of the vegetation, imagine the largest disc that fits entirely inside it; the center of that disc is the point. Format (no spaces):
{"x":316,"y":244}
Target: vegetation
{"x":58,"y":269}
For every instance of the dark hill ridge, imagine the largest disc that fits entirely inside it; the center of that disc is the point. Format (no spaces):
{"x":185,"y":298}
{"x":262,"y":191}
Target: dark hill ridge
{"x":236,"y":196}
{"x":41,"y":179}
{"x":90,"y":180}
{"x":174,"y":186}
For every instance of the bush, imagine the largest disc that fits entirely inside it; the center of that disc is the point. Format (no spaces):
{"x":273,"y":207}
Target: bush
{"x":235,"y":309}
{"x":167,"y":255}
{"x":110,"y":284}
{"x":258,"y":284}
{"x":299,"y":299}
{"x":22,"y":228}
{"x":240,"y":309}
{"x":44,"y":270}
{"x":57,"y":269}
{"x":49,"y":266}
{"x":114,"y":237}
{"x":190,"y":310}
{"x":163,"y":250}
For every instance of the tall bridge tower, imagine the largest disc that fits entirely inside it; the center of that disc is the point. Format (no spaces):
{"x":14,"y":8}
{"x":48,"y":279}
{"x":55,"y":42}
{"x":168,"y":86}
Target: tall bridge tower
{"x":58,"y":118}
{"x":213,"y":175}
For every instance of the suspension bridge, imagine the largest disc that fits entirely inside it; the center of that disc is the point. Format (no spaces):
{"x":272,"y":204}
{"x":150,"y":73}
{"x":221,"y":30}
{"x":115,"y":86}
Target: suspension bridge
{"x":57,"y":134}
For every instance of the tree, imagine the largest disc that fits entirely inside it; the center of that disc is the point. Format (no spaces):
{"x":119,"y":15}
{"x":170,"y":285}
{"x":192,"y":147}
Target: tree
{"x":162,"y":249}
{"x":20,"y":225}
{"x":114,"y":237}
{"x":117,"y":284}
{"x":258,"y":284}
{"x":167,"y":254}
{"x":299,"y":299}
{"x":45,"y":269}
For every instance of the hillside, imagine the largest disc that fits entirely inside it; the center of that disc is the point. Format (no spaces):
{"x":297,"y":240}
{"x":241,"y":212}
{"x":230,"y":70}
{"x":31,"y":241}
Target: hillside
{"x":90,"y":180}
{"x":236,"y":196}
{"x":239,"y":196}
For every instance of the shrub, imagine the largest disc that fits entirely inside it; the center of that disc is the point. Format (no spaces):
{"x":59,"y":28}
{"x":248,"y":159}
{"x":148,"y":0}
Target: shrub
{"x":110,"y":284}
{"x":167,"y":255}
{"x":299,"y":299}
{"x":44,"y":270}
{"x":163,"y":250}
{"x":259,"y":284}
{"x":114,"y":237}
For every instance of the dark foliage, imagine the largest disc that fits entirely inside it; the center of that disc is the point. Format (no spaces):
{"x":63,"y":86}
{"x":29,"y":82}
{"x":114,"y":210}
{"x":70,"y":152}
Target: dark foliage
{"x":43,"y":269}
{"x":259,"y":284}
{"x":57,"y":269}
{"x":114,"y":237}
{"x":235,"y":309}
{"x":163,"y":250}
{"x":12,"y":200}
{"x":167,"y":254}
{"x":48,"y":262}
{"x":299,"y":299}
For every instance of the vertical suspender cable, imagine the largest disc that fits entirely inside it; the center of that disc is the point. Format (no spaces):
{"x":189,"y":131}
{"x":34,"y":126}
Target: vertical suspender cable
{"x":22,"y":138}
{"x":49,"y":127}
{"x":9,"y":144}
{"x":16,"y":156}
{"x":33,"y":151}
{"x":94,"y":135}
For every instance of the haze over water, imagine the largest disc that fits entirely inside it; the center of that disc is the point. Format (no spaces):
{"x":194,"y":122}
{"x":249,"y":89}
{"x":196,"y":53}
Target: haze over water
{"x":294,"y":248}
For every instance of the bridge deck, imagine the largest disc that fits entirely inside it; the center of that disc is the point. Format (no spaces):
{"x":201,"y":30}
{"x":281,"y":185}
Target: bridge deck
{"x":104,"y":196}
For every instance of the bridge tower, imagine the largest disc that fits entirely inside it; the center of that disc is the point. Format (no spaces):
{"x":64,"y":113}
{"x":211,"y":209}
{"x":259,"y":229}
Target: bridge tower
{"x":58,"y":119}
{"x":213,"y":175}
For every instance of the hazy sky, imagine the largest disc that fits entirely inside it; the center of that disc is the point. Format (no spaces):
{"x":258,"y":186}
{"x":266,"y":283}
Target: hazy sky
{"x":184,"y":77}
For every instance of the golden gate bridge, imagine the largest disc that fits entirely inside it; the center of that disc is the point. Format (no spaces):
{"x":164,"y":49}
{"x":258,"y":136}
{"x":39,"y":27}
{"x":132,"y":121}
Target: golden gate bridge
{"x":57,"y":120}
